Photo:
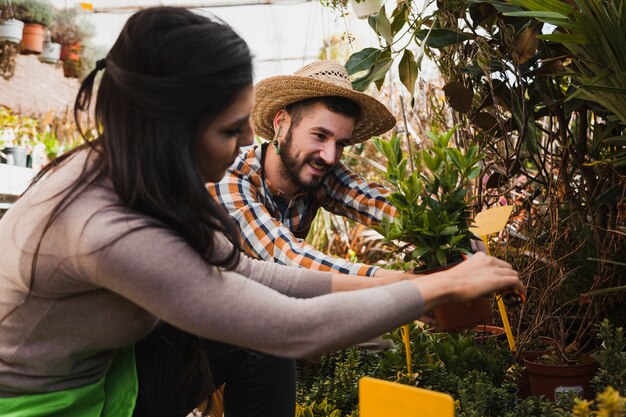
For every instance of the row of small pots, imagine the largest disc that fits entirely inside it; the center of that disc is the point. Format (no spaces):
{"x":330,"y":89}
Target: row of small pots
{"x":32,"y":37}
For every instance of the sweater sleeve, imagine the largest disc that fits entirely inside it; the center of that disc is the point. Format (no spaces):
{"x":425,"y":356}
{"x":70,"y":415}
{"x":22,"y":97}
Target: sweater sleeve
{"x":158,"y":271}
{"x":294,"y":282}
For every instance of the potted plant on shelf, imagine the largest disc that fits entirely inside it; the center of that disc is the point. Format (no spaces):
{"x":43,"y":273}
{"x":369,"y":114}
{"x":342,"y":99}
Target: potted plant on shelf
{"x":10,"y":36}
{"x":16,"y":137}
{"x":51,"y":50}
{"x":71,"y":33}
{"x":37,"y":15}
{"x":433,"y":214}
{"x":365,"y":8}
{"x":10,"y":28}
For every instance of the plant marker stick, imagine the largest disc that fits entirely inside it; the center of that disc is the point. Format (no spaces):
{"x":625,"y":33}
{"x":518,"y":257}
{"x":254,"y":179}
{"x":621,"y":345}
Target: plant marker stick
{"x":503,"y":314}
{"x":407,"y":346}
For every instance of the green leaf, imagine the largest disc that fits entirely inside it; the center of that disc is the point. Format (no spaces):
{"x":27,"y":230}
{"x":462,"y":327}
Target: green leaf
{"x":499,"y":5}
{"x":441,"y":257}
{"x":474,"y":172}
{"x":407,"y":69}
{"x":419,"y":252}
{"x":440,"y":38}
{"x":566,"y":38}
{"x":400,"y":16}
{"x":455,"y":156}
{"x":377,"y":72}
{"x":449,"y":230}
{"x":362,"y":60}
{"x":383,"y":26}
{"x":536,"y":14}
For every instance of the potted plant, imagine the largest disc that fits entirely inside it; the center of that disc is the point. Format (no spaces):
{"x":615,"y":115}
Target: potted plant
{"x":365,"y":8}
{"x":10,"y":28}
{"x":72,"y":34}
{"x":36,"y":14}
{"x":549,"y":371}
{"x":16,"y":137}
{"x":51,"y":50}
{"x":433,"y":214}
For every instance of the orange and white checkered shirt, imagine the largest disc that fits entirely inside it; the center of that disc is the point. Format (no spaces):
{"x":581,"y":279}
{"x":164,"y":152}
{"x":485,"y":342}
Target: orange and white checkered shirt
{"x":274,"y":230}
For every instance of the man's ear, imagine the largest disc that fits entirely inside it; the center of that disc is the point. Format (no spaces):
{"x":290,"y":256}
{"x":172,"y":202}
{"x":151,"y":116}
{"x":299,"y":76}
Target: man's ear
{"x":281,"y":122}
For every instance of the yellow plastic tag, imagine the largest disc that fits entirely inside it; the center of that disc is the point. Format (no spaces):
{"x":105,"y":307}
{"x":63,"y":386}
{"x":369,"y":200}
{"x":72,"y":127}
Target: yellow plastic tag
{"x":491,"y":221}
{"x":378,"y":398}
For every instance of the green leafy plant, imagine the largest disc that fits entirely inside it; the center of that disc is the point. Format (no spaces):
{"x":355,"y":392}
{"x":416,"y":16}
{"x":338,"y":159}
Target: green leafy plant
{"x":34,"y":11}
{"x":321,"y":409}
{"x":546,"y":106}
{"x":611,"y":357}
{"x":69,"y":29}
{"x":337,"y":377}
{"x":609,"y":403}
{"x":432,"y":198}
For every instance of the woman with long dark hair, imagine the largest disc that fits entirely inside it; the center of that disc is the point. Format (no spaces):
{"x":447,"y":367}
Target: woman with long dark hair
{"x":122,"y":288}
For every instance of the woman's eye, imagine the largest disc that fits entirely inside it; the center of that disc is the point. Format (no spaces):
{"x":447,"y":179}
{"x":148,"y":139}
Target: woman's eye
{"x":234,"y":132}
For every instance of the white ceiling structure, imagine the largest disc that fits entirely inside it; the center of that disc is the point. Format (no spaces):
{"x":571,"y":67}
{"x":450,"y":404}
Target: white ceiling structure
{"x":283,"y":34}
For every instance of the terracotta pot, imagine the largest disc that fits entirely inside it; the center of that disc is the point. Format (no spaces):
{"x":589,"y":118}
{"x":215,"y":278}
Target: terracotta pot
{"x":70,"y":52}
{"x":460,"y":316}
{"x":486,"y":332}
{"x":365,"y":8}
{"x":32,"y":39}
{"x":11,"y":31}
{"x":544,"y":379}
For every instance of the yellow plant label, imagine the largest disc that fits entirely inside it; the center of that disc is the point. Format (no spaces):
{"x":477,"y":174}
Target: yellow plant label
{"x":491,"y":221}
{"x":378,"y":398}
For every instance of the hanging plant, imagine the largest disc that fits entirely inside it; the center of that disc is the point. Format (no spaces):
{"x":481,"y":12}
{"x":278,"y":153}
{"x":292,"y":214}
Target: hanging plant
{"x":8,"y":54}
{"x":10,"y":37}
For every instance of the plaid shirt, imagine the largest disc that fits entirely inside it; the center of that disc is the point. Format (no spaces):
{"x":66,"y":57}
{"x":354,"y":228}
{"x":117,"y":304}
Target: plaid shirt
{"x":274,"y":229}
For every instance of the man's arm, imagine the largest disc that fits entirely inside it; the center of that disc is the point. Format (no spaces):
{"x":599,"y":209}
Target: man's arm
{"x":350,"y":195}
{"x":267,"y":238}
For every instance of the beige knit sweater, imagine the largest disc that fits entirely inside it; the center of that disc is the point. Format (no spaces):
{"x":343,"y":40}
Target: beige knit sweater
{"x":87,"y":301}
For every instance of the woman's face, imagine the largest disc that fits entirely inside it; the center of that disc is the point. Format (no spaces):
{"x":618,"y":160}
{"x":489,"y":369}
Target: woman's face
{"x":219,"y":144}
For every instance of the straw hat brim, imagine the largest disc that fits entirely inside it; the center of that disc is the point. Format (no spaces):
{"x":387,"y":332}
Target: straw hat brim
{"x":274,"y":93}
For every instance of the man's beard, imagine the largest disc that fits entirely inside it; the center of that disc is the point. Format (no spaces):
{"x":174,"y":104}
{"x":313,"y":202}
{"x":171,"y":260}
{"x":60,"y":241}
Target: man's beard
{"x":291,"y":167}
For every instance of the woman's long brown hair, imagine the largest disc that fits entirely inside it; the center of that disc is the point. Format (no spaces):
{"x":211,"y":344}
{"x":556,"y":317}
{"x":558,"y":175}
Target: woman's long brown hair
{"x":168,"y":75}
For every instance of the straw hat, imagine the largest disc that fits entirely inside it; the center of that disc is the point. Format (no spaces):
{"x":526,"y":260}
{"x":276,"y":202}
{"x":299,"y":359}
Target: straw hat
{"x":319,"y":79}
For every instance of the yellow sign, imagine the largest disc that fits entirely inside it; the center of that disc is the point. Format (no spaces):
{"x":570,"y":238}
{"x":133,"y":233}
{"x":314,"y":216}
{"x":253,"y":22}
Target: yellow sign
{"x":87,"y":6}
{"x":379,"y":398}
{"x":491,"y":221}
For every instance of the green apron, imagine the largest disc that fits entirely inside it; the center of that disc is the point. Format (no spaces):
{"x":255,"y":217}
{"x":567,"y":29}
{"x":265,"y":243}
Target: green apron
{"x":113,"y":396}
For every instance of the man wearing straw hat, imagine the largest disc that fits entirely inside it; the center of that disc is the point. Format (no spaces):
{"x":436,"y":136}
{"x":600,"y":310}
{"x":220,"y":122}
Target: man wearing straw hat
{"x":274,"y":190}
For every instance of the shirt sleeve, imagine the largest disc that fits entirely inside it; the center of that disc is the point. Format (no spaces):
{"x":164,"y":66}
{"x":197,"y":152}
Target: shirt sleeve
{"x":157,"y":270}
{"x":350,"y":195}
{"x":269,"y":239}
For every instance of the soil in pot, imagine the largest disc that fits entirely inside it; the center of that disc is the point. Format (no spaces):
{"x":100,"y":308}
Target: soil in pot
{"x":484,"y":332}
{"x":545,"y":378}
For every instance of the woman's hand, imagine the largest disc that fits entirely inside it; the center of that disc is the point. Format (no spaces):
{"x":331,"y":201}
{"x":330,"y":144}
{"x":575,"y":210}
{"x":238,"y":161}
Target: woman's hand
{"x":479,"y":275}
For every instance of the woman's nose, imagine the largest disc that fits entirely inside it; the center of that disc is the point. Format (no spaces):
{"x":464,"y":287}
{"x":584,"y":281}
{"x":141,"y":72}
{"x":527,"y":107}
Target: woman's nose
{"x":247,"y":138}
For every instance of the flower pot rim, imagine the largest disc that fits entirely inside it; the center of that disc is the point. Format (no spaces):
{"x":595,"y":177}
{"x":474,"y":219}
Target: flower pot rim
{"x":528,"y":358}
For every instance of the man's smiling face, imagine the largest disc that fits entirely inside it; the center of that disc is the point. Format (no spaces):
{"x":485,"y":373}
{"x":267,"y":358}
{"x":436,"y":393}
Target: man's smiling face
{"x":314,"y":145}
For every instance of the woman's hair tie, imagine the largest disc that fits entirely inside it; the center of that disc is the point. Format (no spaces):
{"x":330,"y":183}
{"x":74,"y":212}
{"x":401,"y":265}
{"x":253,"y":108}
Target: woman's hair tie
{"x":101,"y":64}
